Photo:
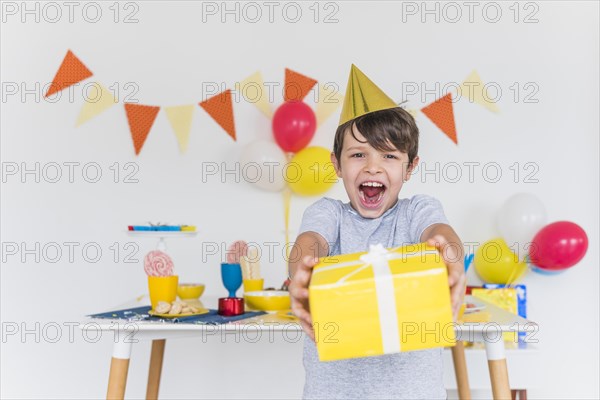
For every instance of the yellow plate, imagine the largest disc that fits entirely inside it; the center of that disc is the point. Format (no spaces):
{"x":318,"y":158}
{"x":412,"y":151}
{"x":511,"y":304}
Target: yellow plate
{"x":287,"y":314}
{"x":203,"y":311}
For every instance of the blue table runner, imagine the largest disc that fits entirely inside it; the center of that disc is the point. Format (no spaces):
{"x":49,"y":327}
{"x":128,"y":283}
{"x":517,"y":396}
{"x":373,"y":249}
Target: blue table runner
{"x":141,"y":314}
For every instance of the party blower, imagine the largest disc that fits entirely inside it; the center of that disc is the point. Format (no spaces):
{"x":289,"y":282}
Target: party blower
{"x":231,"y":274}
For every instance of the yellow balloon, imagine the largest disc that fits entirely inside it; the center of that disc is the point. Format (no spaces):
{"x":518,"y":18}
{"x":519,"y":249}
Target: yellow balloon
{"x":495,"y":262}
{"x":310,"y":172}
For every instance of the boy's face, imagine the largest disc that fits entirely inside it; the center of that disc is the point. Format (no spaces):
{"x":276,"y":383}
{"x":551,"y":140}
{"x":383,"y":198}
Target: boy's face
{"x":372,"y":178}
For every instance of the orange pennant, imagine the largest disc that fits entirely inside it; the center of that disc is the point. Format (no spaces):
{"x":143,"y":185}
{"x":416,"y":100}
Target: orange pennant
{"x":296,"y":86}
{"x":70,"y":72}
{"x":220,"y":108}
{"x":140,"y":118}
{"x":440,"y":112}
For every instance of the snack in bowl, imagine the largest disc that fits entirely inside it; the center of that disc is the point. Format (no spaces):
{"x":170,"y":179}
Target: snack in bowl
{"x":268,"y":300}
{"x":190,"y":291}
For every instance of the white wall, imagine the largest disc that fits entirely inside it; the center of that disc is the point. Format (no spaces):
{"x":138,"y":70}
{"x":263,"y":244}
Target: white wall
{"x":168,"y":54}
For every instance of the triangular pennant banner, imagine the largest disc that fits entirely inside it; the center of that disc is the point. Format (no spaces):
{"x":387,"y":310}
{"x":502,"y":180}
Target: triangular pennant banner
{"x":296,"y":86}
{"x":253,"y":90}
{"x":220,"y":108}
{"x":413,"y":112}
{"x":329,"y":100}
{"x":93,"y":106}
{"x":474,"y":89}
{"x":440,"y":112}
{"x":180,"y":118}
{"x":70,"y":72}
{"x":140,"y":118}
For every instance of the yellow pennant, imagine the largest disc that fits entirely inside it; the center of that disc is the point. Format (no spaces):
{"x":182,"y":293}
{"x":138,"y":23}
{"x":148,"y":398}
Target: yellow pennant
{"x":474,"y":89}
{"x":180,"y":118}
{"x":413,"y":111}
{"x":329,"y":100}
{"x":253,"y":90}
{"x":98,"y":99}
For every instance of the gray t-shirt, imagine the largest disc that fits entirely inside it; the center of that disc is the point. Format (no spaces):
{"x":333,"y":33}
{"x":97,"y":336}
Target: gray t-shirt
{"x":408,"y":375}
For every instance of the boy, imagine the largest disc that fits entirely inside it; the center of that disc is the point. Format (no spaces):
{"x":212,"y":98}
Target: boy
{"x":375,"y":152}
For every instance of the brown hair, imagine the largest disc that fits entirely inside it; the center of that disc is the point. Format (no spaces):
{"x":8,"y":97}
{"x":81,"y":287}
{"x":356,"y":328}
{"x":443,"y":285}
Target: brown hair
{"x":380,"y":128}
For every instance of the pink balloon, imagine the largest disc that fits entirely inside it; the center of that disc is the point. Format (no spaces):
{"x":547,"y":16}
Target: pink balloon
{"x":294,"y":125}
{"x":558,"y":246}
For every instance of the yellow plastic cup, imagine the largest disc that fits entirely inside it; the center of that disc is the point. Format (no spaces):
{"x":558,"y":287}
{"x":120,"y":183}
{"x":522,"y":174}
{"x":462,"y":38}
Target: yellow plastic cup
{"x":253,"y":285}
{"x":162,"y":288}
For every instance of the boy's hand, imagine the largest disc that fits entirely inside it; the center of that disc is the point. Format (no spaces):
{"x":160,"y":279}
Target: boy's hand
{"x":456,"y":271}
{"x":299,"y":293}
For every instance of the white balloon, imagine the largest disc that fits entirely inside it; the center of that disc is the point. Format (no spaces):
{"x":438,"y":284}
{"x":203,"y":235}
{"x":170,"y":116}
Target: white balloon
{"x":519,"y":219}
{"x":262,"y":164}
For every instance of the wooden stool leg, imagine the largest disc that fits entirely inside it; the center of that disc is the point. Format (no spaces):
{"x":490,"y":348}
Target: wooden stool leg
{"x":460,"y":370}
{"x":156,"y":362}
{"x":117,"y":378}
{"x":494,"y":350}
{"x":499,"y":378}
{"x":119,"y":366}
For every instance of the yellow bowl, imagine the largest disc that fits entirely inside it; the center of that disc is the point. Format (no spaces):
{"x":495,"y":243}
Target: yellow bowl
{"x":268,"y":300}
{"x":187,"y":291}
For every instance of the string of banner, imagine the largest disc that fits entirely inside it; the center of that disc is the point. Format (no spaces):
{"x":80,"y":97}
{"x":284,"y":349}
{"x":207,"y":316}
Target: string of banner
{"x":220,"y":107}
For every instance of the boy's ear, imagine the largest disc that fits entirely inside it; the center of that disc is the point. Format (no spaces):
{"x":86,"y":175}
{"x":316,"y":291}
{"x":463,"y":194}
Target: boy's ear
{"x":412,"y":167}
{"x":336,"y":165}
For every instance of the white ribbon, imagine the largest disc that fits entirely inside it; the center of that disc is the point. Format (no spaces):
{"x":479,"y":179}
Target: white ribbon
{"x":379,"y":258}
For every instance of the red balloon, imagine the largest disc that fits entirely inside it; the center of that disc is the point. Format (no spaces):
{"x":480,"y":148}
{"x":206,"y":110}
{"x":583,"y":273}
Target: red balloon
{"x":294,"y":125}
{"x":558,"y":246}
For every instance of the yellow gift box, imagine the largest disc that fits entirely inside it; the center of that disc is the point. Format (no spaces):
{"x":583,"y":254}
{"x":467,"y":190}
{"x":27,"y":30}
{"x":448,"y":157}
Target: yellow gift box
{"x":380,"y":302}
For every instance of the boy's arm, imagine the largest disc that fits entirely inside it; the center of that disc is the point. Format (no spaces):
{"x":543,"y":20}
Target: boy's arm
{"x":445,"y":239}
{"x":307,"y":244}
{"x":307,"y":250}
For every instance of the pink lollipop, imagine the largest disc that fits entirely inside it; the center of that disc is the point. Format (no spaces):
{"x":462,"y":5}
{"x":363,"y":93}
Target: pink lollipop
{"x":236,"y":251}
{"x":157,"y":263}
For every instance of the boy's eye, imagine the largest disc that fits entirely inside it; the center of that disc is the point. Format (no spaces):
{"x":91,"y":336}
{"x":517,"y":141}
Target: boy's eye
{"x":357,"y":155}
{"x":390,"y":156}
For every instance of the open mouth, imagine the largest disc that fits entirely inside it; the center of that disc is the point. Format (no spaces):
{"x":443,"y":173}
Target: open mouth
{"x":371,"y":193}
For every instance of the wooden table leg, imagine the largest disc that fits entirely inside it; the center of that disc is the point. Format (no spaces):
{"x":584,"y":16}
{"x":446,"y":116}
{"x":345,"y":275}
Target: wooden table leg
{"x":156,"y":362}
{"x":460,"y":370}
{"x":119,"y":366}
{"x":498,"y":371}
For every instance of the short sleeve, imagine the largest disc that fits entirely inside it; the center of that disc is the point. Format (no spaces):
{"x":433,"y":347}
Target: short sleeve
{"x":424,"y":211}
{"x":322,"y":217}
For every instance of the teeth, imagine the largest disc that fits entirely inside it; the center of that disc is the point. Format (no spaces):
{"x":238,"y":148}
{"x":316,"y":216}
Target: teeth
{"x":373,"y":184}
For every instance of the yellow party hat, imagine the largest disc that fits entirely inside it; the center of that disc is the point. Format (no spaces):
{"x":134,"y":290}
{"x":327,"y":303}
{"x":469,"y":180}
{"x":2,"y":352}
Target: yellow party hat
{"x":363,"y":97}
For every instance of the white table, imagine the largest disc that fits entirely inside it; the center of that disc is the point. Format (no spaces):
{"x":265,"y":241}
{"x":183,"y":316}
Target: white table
{"x":128,"y":333}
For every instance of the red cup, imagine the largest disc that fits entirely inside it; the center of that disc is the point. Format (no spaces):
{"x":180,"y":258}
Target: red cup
{"x":231,"y":306}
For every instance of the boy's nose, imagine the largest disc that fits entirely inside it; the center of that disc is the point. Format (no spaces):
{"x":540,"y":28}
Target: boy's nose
{"x":373,"y":166}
